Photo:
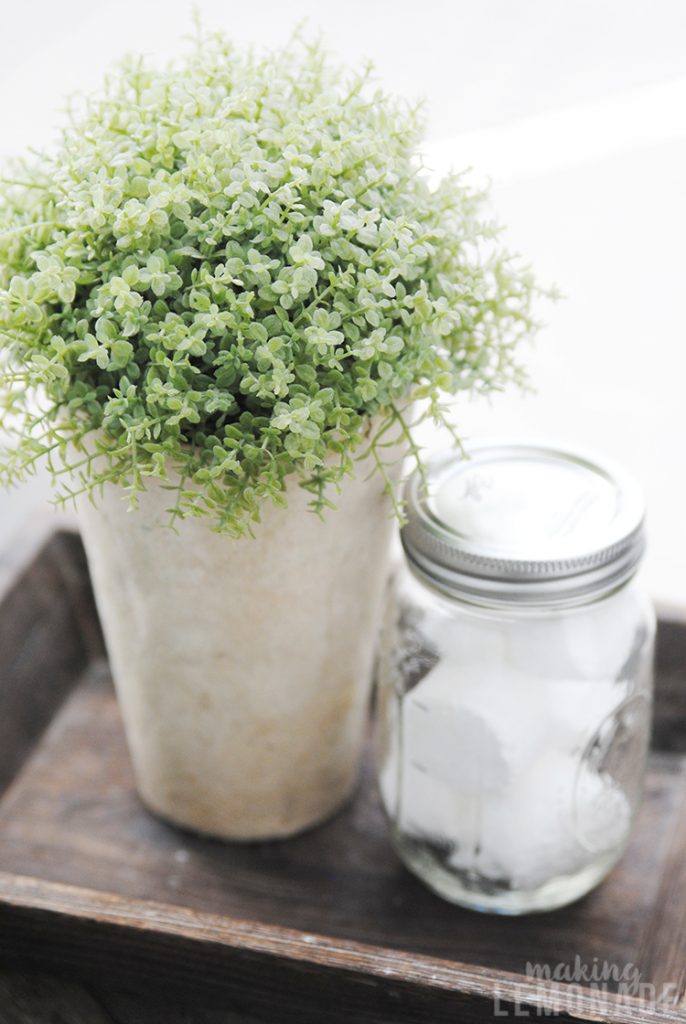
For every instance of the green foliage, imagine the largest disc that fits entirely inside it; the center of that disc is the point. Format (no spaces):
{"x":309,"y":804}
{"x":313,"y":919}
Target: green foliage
{"x":231,"y":269}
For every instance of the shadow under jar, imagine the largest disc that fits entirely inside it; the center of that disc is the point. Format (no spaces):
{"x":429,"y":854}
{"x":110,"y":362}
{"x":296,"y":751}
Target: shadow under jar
{"x":516,"y":676}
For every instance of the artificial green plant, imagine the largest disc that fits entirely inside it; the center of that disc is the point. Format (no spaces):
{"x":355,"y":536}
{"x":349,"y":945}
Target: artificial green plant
{"x":233,"y":271}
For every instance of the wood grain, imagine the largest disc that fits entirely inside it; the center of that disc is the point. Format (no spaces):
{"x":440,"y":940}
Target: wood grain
{"x":107,"y":939}
{"x":37,"y":999}
{"x":48,"y":635}
{"x":669,"y":722}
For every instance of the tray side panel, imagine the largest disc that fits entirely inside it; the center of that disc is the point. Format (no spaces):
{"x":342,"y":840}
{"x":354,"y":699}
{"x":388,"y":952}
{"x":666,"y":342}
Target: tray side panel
{"x":669,"y":721}
{"x":48,"y":634}
{"x":264,"y":974}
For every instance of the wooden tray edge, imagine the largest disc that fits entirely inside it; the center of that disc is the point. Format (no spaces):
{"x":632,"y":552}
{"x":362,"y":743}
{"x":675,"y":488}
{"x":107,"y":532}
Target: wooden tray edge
{"x":397,"y":973}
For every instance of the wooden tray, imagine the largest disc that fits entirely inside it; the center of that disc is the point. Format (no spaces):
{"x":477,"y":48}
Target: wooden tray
{"x":328,"y":926}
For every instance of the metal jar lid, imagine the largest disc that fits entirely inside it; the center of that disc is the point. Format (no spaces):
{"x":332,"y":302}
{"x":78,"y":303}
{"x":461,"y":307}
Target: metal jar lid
{"x":521,"y":522}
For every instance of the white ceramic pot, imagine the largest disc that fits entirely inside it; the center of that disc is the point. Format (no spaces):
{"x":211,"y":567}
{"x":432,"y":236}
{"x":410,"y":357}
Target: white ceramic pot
{"x":242,"y":667}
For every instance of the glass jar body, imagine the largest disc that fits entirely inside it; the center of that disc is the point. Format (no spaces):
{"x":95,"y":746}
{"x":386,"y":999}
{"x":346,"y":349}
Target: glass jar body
{"x":512,"y":741}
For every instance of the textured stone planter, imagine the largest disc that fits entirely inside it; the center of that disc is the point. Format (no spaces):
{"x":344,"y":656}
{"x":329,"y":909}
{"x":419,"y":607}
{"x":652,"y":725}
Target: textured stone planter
{"x":242,"y":667}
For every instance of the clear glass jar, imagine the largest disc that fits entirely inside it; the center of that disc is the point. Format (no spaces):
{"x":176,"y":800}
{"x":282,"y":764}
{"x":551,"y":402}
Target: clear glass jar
{"x":516,"y":678}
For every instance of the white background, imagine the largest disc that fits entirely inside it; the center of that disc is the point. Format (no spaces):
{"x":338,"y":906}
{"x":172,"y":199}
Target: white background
{"x":577,"y":110}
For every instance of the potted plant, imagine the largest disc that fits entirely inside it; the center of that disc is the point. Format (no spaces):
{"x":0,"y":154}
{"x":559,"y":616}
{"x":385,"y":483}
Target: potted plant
{"x":221,"y":299}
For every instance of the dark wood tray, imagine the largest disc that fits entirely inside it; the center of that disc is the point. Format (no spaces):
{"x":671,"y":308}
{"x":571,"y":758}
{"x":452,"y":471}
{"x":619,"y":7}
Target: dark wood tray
{"x":328,"y":926}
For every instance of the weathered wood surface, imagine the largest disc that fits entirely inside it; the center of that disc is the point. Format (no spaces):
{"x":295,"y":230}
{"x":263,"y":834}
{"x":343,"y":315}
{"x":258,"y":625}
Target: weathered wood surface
{"x":326,"y":927}
{"x":48,"y":635}
{"x":37,"y":999}
{"x":31,"y":998}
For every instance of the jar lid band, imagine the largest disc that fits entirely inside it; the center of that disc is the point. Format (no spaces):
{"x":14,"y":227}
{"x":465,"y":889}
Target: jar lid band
{"x":517,"y":521}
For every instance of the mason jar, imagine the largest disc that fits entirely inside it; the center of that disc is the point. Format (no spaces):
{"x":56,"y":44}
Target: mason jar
{"x":516,"y":676}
